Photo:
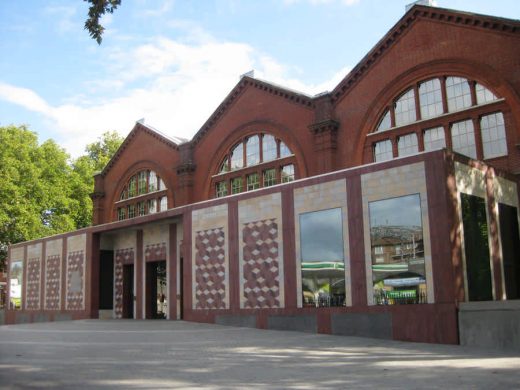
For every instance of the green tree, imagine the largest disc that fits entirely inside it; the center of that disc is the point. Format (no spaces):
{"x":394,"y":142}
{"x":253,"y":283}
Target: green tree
{"x":97,"y":156}
{"x":34,"y":193}
{"x":97,"y":9}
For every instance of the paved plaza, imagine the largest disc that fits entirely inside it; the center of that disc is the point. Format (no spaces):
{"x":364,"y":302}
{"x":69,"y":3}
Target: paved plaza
{"x":126,"y":354}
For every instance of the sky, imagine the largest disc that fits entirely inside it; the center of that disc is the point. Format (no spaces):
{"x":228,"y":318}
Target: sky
{"x":172,"y":62}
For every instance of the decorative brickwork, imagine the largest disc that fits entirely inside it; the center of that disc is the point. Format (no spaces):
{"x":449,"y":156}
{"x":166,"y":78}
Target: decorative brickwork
{"x":75,"y":280}
{"x":33,"y":284}
{"x":210,"y":271}
{"x":53,"y":282}
{"x":155,"y":252}
{"x":123,"y":256}
{"x":260,"y":267}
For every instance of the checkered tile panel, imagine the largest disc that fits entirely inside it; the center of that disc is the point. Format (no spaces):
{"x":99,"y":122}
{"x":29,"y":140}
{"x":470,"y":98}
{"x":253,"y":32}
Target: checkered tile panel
{"x":33,"y":284}
{"x":155,"y":252}
{"x":123,"y":256}
{"x":75,"y":280}
{"x":260,"y":264}
{"x":210,"y":270}
{"x":53,"y":282}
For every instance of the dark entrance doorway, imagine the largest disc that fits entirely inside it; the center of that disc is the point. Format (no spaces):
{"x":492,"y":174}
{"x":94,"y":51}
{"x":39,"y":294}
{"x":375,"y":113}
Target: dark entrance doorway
{"x":106,"y":280}
{"x":128,"y":291}
{"x":156,"y":290}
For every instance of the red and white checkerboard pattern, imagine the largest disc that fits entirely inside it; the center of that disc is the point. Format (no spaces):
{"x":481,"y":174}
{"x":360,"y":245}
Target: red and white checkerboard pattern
{"x":75,"y":269}
{"x":53,"y":282}
{"x":261,"y":264}
{"x":32,"y":300}
{"x":123,"y":256}
{"x":210,"y":269}
{"x":155,"y":252}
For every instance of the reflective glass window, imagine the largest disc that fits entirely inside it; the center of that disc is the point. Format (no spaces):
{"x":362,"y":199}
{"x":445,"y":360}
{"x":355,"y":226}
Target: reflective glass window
{"x":397,"y":251}
{"x":121,"y":213}
{"x":236,"y":185}
{"x":463,"y":138}
{"x":434,"y":139}
{"x":322,"y":258}
{"x":253,"y":150}
{"x":152,"y":181}
{"x":141,"y":184}
{"x":15,"y":285}
{"x":141,"y":209}
{"x":221,"y":189}
{"x":253,"y":181}
{"x":287,"y":173}
{"x":407,"y":144}
{"x":493,"y":135}
{"x":131,"y":211}
{"x":237,"y":157}
{"x":383,"y":150}
{"x":132,"y":187}
{"x":430,"y":98}
{"x":404,"y":108}
{"x":385,"y":122}
{"x":484,"y":95}
{"x":269,"y":177}
{"x":224,"y":167}
{"x":152,"y":206}
{"x":284,"y":150}
{"x":268,"y":147}
{"x":163,"y":203}
{"x":458,"y":93}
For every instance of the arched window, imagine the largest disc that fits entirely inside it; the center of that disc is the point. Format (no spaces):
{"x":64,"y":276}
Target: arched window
{"x":258,"y":160}
{"x":144,"y":193}
{"x":447,"y":111}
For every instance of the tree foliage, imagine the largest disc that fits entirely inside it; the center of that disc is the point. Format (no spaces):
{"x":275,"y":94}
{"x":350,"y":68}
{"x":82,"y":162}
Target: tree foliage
{"x":42,"y":192}
{"x":97,"y":9}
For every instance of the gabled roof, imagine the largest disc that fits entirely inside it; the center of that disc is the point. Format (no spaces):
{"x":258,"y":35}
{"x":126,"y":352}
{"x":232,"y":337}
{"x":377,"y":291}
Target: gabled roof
{"x":416,"y":13}
{"x":245,"y":83}
{"x":141,"y":127}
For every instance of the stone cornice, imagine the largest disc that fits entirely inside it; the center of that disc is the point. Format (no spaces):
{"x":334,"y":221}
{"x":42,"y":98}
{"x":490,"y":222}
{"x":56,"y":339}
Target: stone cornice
{"x":326,"y":125}
{"x":419,"y":12}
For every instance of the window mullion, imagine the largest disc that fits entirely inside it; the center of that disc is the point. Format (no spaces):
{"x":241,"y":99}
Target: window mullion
{"x":418,"y":115}
{"x":478,"y":138}
{"x":444,"y":95}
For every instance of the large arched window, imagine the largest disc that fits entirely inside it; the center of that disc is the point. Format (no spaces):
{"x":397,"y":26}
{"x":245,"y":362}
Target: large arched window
{"x":258,"y":160}
{"x":144,"y":193}
{"x":446,"y":111}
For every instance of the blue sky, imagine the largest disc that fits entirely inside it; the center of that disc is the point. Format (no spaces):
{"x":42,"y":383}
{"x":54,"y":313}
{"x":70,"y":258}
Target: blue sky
{"x":172,"y":62}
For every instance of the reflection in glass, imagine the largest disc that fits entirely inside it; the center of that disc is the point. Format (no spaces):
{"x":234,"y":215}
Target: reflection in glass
{"x":476,"y":247}
{"x":268,"y":147}
{"x":383,"y":151}
{"x":493,"y":133}
{"x":434,"y":139}
{"x":15,"y":288}
{"x":404,"y":108}
{"x":430,"y":98}
{"x":458,"y":93}
{"x":463,"y":138}
{"x":396,"y":236}
{"x":407,"y":145}
{"x":237,"y":157}
{"x":385,"y":123}
{"x":253,"y":150}
{"x":322,"y":258}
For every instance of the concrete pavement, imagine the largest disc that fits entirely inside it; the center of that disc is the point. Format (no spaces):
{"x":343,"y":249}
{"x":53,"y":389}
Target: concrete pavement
{"x":126,"y":354}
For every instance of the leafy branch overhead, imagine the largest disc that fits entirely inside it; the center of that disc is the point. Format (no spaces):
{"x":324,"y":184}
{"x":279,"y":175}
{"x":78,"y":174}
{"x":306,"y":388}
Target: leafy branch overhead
{"x":97,"y":9}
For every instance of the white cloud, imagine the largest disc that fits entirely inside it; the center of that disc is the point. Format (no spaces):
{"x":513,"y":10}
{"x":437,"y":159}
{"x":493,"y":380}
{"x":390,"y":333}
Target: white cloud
{"x":174,"y":85}
{"x":64,"y":17}
{"x":321,"y":2}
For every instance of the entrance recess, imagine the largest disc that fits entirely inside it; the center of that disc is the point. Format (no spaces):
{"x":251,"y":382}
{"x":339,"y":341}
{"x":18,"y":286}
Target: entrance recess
{"x":128,"y":291}
{"x":156,"y":290}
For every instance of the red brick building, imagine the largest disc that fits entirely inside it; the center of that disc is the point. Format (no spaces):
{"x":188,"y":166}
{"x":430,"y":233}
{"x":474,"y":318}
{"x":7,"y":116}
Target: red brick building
{"x":378,"y":209}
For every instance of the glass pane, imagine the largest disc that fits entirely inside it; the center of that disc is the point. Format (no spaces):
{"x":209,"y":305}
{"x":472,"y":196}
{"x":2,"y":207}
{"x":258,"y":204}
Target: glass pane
{"x":493,"y":135}
{"x":161,"y":184}
{"x":404,"y":108}
{"x":484,"y":95}
{"x":434,"y":139}
{"x":123,"y":195}
{"x":236,"y":185}
{"x":269,"y":177}
{"x":322,"y":258}
{"x":463,"y":138}
{"x":152,"y":206}
{"x":163,"y":203}
{"x":430,"y":98}
{"x":221,"y":189}
{"x":253,"y":181}
{"x":284,"y":150}
{"x":268,"y":147}
{"x":141,"y":209}
{"x":142,"y":182}
{"x":121,"y":213}
{"x":152,"y":181}
{"x":237,"y":157}
{"x":383,"y":151}
{"x":224,"y":167}
{"x":253,"y":150}
{"x":476,"y":247}
{"x":15,"y":285}
{"x":510,"y":241}
{"x":407,"y":144}
{"x":396,"y":236}
{"x":131,"y":211}
{"x":385,"y":123}
{"x":287,"y":173}
{"x":132,"y":187}
{"x":458,"y":93}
